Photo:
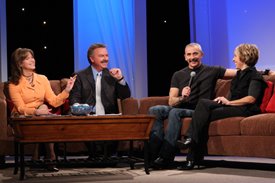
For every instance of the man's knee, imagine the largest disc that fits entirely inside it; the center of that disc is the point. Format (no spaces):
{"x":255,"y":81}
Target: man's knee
{"x":158,"y":109}
{"x":177,"y":113}
{"x":174,"y":112}
{"x":180,"y":113}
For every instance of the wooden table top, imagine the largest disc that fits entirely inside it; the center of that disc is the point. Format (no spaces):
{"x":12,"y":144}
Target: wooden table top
{"x":82,"y":128}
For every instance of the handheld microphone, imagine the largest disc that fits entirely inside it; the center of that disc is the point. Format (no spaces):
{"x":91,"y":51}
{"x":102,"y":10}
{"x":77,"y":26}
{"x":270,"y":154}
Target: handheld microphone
{"x":192,"y":75}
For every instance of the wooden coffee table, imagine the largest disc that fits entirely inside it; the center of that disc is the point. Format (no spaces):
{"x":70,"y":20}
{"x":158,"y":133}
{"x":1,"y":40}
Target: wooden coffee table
{"x":79,"y":129}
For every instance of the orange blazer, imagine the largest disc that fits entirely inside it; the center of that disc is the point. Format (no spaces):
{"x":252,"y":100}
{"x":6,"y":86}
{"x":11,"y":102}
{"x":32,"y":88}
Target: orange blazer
{"x":26,"y":97}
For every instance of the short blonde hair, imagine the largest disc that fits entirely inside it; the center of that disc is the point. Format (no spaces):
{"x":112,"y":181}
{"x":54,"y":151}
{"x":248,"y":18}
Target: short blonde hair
{"x":248,"y":53}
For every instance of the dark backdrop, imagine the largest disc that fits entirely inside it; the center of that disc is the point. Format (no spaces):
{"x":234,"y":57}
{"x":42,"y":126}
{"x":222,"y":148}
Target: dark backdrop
{"x":25,"y":29}
{"x":166,"y":42}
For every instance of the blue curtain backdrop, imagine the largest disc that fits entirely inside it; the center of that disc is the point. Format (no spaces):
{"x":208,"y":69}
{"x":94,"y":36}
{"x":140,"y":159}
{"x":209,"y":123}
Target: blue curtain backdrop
{"x":110,"y":22}
{"x":220,"y":25}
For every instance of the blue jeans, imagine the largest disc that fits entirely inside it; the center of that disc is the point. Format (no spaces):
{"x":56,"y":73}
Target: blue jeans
{"x":174,"y":116}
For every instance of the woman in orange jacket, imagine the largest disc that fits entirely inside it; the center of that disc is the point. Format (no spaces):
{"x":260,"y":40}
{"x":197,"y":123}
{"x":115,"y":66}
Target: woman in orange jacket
{"x":30,"y":91}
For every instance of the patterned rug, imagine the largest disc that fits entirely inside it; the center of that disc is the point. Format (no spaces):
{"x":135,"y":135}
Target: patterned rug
{"x":121,"y":172}
{"x":72,"y":175}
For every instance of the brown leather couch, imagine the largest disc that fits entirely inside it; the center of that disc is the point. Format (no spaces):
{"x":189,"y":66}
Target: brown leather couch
{"x":252,"y":136}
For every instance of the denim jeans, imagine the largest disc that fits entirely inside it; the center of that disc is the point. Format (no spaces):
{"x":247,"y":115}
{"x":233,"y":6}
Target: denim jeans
{"x":173,"y":129}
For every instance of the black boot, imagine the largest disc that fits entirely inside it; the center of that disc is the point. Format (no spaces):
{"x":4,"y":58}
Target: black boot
{"x":166,"y":156}
{"x":189,"y":165}
{"x":91,"y":147}
{"x":154,"y":148}
{"x":194,"y":157}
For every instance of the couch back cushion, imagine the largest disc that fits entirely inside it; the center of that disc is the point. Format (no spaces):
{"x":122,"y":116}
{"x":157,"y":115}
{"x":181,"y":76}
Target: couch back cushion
{"x":55,"y":84}
{"x":63,"y":83}
{"x":56,"y":87}
{"x":222,"y":88}
{"x":129,"y":106}
{"x":147,"y":102}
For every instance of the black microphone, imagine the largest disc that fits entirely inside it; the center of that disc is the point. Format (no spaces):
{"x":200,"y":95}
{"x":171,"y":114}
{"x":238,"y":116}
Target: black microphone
{"x":192,"y":75}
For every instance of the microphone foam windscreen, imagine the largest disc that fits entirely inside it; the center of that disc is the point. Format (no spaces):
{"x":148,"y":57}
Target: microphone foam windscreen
{"x":193,"y":73}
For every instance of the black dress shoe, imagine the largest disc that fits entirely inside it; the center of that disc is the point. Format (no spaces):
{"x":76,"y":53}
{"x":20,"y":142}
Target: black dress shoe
{"x":160,"y":163}
{"x":184,"y":144}
{"x":52,"y":168}
{"x":189,"y":165}
{"x":51,"y":165}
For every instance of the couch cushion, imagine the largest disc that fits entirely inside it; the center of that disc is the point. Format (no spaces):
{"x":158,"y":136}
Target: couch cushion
{"x":252,"y":146}
{"x":267,"y":95}
{"x":226,"y":126}
{"x":261,"y":124}
{"x":271,"y":104}
{"x":147,"y":102}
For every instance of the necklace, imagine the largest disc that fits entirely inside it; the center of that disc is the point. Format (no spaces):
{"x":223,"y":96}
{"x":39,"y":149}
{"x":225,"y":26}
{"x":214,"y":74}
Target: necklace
{"x":31,"y":82}
{"x":28,"y":76}
{"x":29,"y":79}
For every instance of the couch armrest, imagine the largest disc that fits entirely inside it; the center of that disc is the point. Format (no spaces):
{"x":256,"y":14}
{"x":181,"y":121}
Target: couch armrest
{"x":3,"y":113}
{"x":147,"y":102}
{"x":129,"y":106}
{"x":3,"y":119}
